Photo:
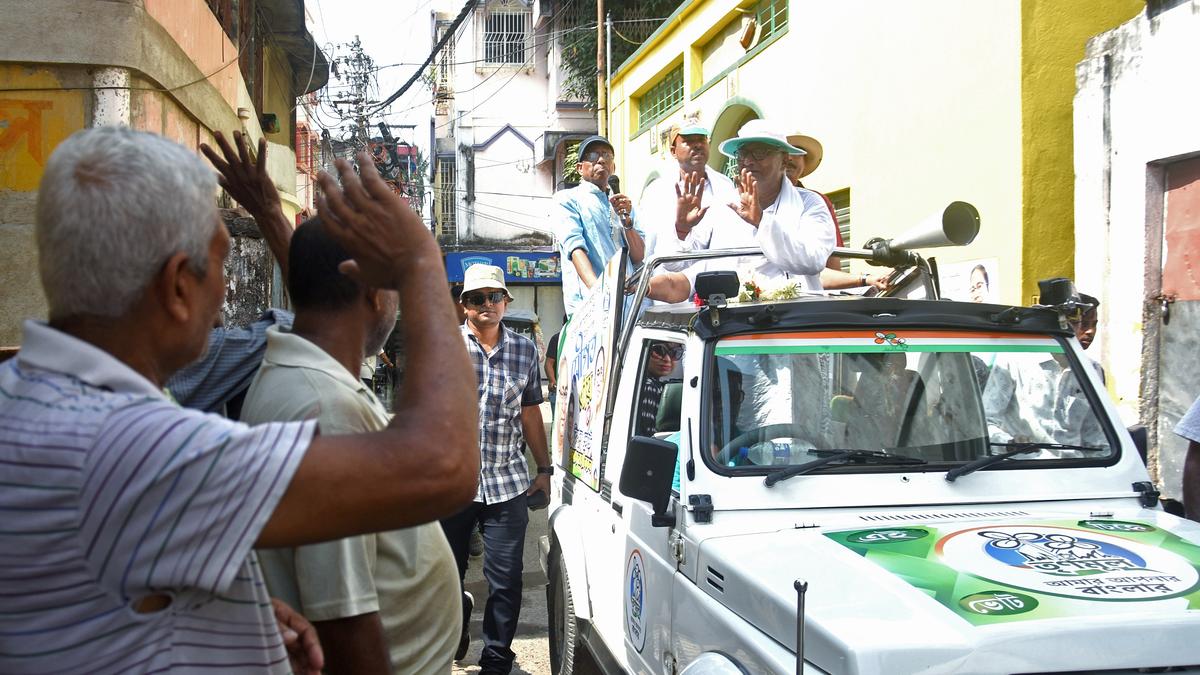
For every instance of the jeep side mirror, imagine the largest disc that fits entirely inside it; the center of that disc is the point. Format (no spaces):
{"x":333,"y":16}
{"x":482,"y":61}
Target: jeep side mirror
{"x":1140,"y":440}
{"x":647,"y":475}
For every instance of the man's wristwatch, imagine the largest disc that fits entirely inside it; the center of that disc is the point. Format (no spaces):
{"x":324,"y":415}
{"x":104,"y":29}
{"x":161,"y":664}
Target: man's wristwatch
{"x":863,"y":280}
{"x":548,"y":470}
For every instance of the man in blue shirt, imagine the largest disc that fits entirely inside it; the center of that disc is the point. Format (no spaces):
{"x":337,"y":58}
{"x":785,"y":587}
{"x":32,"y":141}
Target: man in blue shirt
{"x":591,"y":224}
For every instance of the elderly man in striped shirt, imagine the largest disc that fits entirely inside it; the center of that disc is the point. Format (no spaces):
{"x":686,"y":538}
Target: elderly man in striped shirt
{"x":128,"y":544}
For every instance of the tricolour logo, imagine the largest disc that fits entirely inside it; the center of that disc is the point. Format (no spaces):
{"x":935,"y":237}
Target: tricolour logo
{"x":1069,"y":563}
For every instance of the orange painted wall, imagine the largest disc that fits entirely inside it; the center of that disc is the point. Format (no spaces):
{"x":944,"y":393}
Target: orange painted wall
{"x":194,"y":27}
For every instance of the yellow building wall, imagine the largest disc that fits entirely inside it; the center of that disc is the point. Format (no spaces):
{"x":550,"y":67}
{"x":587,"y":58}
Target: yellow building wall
{"x":917,"y":103}
{"x":165,"y":45}
{"x":1054,"y":33}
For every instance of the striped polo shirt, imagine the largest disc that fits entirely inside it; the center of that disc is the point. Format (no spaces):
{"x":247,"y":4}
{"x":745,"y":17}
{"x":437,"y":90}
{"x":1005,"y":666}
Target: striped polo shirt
{"x":110,"y":493}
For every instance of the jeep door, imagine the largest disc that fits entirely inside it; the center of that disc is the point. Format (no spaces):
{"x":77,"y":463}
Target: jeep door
{"x":652,"y":380}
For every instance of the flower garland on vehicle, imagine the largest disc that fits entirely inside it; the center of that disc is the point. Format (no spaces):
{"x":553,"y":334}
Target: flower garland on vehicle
{"x":753,"y":291}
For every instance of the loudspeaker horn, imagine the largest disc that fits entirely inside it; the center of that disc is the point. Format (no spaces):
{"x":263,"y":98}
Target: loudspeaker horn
{"x":957,"y":225}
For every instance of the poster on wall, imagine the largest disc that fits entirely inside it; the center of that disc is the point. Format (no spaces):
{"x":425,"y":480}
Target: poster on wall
{"x":1030,"y":570}
{"x":971,"y":280}
{"x":585,"y":365}
{"x":518,"y":266}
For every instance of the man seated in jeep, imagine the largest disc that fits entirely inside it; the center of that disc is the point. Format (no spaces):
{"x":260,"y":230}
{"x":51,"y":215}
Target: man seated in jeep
{"x":1037,"y":398}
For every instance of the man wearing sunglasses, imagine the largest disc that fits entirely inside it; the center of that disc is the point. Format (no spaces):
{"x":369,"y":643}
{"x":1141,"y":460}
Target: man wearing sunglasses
{"x":661,"y":359}
{"x":510,"y":396}
{"x":591,"y":224}
{"x":793,"y":226}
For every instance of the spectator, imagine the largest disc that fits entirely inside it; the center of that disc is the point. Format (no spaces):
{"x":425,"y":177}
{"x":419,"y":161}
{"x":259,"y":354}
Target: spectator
{"x":217,"y":381}
{"x":384,"y":602}
{"x":510,"y":397}
{"x":144,"y":507}
{"x":1085,"y":328}
{"x":1189,"y":429}
{"x":591,"y":224}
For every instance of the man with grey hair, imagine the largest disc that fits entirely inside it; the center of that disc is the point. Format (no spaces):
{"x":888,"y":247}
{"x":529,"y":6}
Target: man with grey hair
{"x":133,"y":551}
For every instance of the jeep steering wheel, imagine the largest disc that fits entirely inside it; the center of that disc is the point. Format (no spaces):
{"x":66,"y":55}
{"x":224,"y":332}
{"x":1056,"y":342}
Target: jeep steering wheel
{"x":760,"y":435}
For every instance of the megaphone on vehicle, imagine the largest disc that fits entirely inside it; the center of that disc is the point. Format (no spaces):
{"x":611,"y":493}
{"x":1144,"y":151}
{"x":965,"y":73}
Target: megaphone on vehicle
{"x":956,"y":225}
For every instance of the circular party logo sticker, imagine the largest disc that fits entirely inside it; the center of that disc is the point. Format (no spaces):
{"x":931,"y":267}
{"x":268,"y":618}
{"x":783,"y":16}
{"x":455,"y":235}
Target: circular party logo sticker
{"x":1088,"y":565}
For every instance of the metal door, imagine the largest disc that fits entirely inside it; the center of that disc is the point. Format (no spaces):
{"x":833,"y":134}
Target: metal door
{"x":1175,"y":379}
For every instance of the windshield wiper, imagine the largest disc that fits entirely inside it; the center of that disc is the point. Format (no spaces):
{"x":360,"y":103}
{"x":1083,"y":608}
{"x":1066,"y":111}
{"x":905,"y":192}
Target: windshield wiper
{"x":1017,"y":449}
{"x":837,"y":455}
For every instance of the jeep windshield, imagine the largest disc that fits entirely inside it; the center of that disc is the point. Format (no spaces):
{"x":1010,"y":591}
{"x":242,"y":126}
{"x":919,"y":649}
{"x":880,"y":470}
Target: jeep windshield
{"x":927,"y":400}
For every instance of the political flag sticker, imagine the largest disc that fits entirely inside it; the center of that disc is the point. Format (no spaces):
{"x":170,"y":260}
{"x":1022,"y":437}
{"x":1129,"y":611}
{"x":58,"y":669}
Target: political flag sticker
{"x":1039,"y":569}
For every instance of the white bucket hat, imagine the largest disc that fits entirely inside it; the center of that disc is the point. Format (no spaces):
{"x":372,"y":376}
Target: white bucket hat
{"x":759,"y":131}
{"x":484,"y":276}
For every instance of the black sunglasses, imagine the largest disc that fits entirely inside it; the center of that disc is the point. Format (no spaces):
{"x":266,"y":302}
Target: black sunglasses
{"x":477,"y":299}
{"x":667,"y":351}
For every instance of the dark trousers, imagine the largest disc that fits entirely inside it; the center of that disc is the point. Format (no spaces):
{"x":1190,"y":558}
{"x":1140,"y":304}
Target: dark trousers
{"x":503,"y":525}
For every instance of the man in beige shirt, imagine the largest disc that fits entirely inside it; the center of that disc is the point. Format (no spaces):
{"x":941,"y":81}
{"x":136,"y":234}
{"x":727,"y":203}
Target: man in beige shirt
{"x":386,"y":602}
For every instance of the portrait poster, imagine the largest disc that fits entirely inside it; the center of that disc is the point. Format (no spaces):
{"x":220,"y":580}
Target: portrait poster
{"x":970,"y":280}
{"x":585,"y":365}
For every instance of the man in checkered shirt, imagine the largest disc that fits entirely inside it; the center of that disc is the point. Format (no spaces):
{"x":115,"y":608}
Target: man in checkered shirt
{"x":510,"y":395}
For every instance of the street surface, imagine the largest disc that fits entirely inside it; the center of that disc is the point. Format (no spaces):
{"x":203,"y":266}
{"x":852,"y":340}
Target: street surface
{"x":532,"y":645}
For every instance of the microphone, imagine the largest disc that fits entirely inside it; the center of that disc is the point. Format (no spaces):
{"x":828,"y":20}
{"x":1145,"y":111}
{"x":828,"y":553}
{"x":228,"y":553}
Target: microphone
{"x":614,"y":184}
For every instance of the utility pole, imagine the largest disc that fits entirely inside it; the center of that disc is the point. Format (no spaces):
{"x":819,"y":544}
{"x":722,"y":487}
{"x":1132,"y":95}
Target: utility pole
{"x":601,"y":69}
{"x":357,"y":70}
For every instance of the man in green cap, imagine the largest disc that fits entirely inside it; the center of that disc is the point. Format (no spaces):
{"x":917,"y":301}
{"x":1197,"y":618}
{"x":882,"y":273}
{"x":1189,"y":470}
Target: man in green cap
{"x":675,"y":206}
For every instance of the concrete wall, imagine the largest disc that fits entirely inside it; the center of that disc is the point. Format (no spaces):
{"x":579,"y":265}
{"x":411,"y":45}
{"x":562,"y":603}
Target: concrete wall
{"x":156,"y":56}
{"x":916,"y":103}
{"x":1053,"y":36}
{"x":1136,"y":108}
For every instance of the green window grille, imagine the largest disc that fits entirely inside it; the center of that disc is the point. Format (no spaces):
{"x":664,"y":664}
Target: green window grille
{"x":661,"y":98}
{"x":771,"y":16}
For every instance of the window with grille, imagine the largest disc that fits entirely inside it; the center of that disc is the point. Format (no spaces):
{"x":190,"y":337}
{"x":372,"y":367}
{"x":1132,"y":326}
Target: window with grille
{"x":662,"y":98}
{"x":771,"y":16}
{"x":445,"y":69}
{"x":505,"y":36}
{"x":447,"y":176}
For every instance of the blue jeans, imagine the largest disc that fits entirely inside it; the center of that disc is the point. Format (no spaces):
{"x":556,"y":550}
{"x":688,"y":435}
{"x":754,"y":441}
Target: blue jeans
{"x":503,"y":526}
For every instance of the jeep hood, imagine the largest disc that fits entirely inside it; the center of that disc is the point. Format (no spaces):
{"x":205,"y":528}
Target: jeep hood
{"x":1026,"y":595}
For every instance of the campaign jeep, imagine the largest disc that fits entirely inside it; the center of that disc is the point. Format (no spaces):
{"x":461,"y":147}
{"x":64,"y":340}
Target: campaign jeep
{"x":843,"y":484}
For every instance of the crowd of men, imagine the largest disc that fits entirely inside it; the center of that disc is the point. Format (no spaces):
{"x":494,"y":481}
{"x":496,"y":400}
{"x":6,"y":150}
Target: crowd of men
{"x":196,"y":497}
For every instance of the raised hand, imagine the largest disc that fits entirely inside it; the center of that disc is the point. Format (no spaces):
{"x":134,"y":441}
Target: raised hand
{"x":747,"y":205}
{"x":244,"y":177}
{"x":379,"y":231}
{"x":688,"y":212}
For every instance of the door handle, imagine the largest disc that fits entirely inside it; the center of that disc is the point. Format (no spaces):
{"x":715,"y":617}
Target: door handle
{"x":618,"y":507}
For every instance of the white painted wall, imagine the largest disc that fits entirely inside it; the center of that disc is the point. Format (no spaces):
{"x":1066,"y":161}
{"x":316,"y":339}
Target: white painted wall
{"x":510,"y":185}
{"x":1154,"y":106}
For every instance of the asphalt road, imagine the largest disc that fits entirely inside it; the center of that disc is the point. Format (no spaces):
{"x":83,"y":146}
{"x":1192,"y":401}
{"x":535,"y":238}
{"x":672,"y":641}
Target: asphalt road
{"x":531,"y":645}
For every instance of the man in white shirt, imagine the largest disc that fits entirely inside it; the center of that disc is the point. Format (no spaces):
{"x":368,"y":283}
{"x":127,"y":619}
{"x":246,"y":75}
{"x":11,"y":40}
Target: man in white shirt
{"x":792,"y":225}
{"x":675,"y":207}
